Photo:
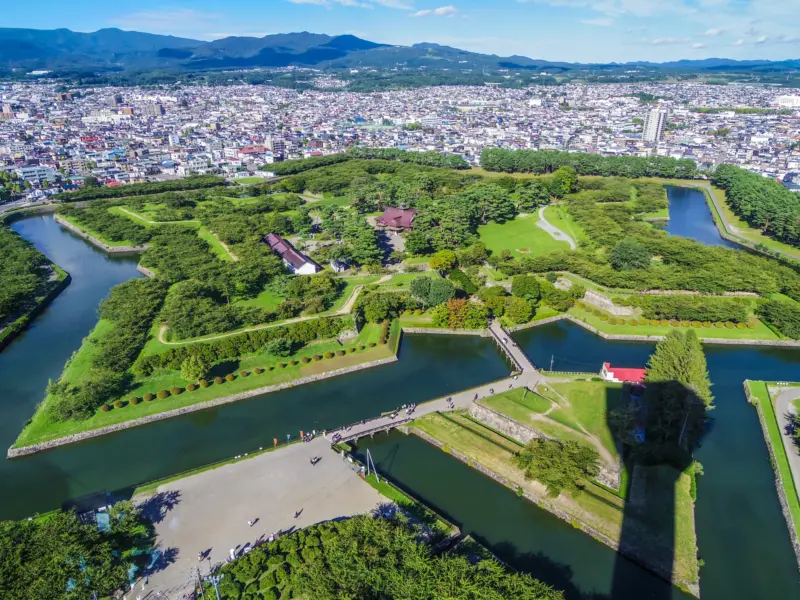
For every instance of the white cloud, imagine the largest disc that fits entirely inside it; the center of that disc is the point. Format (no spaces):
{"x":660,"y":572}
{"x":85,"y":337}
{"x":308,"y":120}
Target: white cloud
{"x":698,"y":46}
{"x":762,"y":39}
{"x":667,"y":41}
{"x":442,"y":11}
{"x":713,"y":32}
{"x":599,"y":22}
{"x":400,"y":4}
{"x":739,"y":42}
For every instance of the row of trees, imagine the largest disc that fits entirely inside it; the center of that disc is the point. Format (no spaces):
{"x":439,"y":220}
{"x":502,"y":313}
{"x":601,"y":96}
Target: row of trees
{"x":129,"y":309}
{"x":141,"y":189}
{"x":428,"y":159}
{"x":373,"y":557}
{"x":762,"y":202}
{"x":693,"y":308}
{"x":22,"y":272}
{"x":547,"y":161}
{"x":97,"y":218}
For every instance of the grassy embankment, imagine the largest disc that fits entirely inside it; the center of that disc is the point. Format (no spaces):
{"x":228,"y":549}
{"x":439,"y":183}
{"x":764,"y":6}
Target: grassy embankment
{"x":759,"y":395}
{"x":663,"y":534}
{"x":42,"y":427}
{"x":95,"y":234}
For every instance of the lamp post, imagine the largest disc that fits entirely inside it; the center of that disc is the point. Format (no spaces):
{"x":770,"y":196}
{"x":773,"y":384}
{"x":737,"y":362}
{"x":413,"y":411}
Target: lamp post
{"x":214,"y":580}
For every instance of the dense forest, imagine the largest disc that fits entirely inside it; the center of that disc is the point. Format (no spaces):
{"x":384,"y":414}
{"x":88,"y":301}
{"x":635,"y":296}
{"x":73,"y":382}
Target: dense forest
{"x":373,"y":557}
{"x":547,"y":161}
{"x":23,"y":272}
{"x":141,"y":189}
{"x":762,"y":202}
{"x":61,"y":556}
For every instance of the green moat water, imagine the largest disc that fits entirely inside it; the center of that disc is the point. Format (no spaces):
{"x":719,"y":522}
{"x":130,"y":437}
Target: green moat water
{"x":741,"y":532}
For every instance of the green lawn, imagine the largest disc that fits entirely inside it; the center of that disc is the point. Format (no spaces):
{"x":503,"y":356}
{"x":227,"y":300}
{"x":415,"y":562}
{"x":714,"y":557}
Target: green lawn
{"x":216,"y":245}
{"x":43,"y":428}
{"x":558,"y":216}
{"x":518,"y":404}
{"x":662,"y":213}
{"x":760,"y":394}
{"x":521,"y":236}
{"x":760,"y":332}
{"x":591,"y":402}
{"x":668,"y":541}
{"x":249,"y":180}
{"x":268,"y":300}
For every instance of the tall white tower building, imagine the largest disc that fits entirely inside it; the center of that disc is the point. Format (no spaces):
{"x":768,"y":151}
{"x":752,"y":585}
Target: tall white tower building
{"x":654,"y":125}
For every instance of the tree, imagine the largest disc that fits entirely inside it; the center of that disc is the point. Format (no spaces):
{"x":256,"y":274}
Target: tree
{"x":526,"y":286}
{"x":531,"y":196}
{"x":279,"y":347}
{"x":90,"y":181}
{"x":457,"y":309}
{"x":477,"y":317}
{"x":565,"y":181}
{"x":420,"y":289}
{"x":440,"y":316}
{"x":518,"y":310}
{"x":443,"y":260}
{"x":441,"y":290}
{"x":560,"y":466}
{"x":629,"y":253}
{"x":490,"y":202}
{"x":194,"y":368}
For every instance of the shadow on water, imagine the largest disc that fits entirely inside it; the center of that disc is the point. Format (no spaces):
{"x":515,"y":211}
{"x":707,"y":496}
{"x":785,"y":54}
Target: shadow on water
{"x":530,"y":539}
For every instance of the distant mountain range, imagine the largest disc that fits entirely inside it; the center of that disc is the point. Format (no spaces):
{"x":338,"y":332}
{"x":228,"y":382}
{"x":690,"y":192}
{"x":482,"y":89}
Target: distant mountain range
{"x":116,"y":49}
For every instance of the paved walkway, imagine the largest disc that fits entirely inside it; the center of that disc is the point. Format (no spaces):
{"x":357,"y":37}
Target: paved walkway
{"x":528,"y":377}
{"x":213,"y":508}
{"x":554,"y":231}
{"x":783,"y":409}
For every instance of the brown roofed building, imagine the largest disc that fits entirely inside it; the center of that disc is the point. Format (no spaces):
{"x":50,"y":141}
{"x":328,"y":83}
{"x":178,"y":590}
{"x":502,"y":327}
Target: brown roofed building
{"x":298,"y":263}
{"x":397,"y":219}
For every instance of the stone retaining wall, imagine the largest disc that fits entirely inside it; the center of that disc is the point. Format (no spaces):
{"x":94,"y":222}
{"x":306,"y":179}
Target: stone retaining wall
{"x":658,"y":338}
{"x":794,"y":535}
{"x":441,"y":331}
{"x":605,"y":303}
{"x":34,"y":448}
{"x":93,"y":240}
{"x":145,"y":271}
{"x":548,"y":506}
{"x":524,"y":434}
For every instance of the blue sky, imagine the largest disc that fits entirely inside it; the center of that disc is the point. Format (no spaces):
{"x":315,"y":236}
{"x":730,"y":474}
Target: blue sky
{"x":569,"y":30}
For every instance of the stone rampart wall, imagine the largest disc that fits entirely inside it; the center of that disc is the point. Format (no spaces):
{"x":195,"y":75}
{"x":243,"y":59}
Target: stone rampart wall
{"x":605,"y":303}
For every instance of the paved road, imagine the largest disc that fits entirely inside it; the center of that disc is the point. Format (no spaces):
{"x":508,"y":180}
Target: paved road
{"x":783,"y":409}
{"x":557,"y":234}
{"x":213,"y":507}
{"x":528,"y":377}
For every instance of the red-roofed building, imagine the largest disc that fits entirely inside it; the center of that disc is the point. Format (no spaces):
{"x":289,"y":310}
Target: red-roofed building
{"x":298,"y":263}
{"x":397,"y":219}
{"x":620,"y":375}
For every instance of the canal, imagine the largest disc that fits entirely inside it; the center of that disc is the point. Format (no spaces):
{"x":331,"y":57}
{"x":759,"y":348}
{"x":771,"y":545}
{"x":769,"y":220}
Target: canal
{"x":690,"y":217}
{"x":429,"y":366}
{"x":741,"y":532}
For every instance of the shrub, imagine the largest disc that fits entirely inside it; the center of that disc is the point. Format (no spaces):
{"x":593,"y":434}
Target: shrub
{"x":696,"y":324}
{"x":163,"y":394}
{"x":271,"y":368}
{"x":362,"y":347}
{"x":305,"y":360}
{"x":258,"y":371}
{"x":351,"y":349}
{"x":674,"y":322}
{"x":176,"y":391}
{"x":612,"y":321}
{"x":418,"y":312}
{"x":664,"y":323}
{"x":317,"y":357}
{"x":134,"y":400}
{"x":148,"y":397}
{"x":328,"y":354}
{"x":204,"y":383}
{"x":293,"y":362}
{"x":230,"y":377}
{"x":191,"y":387}
{"x":282,"y":365}
{"x":243,"y":373}
{"x":655,"y":322}
{"x":218,"y":380}
{"x":597,"y":312}
{"x":729,"y":325}
{"x":105,"y":407}
{"x":372,"y":344}
{"x":603,"y":317}
{"x":685,"y":324}
{"x":751,"y":325}
{"x":706,"y":324}
{"x":741,"y":326}
{"x":633,"y":322}
{"x":340,"y":353}
{"x":719,"y":325}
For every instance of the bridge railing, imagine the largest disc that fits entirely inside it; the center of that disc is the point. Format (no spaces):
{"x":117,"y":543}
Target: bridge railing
{"x":385,"y":427}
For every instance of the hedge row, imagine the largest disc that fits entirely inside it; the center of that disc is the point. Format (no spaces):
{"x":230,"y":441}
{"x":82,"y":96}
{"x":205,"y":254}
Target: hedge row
{"x":245,"y":344}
